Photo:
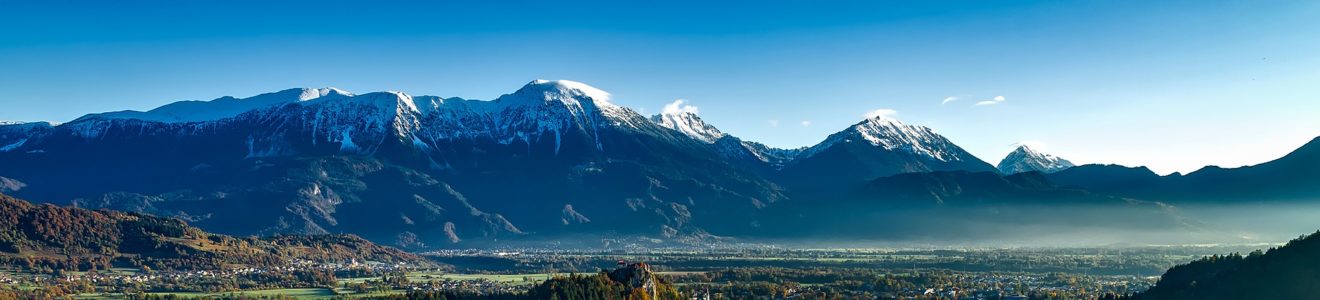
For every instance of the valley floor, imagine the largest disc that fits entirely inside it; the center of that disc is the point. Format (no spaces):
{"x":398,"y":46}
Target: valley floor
{"x":717,"y":273}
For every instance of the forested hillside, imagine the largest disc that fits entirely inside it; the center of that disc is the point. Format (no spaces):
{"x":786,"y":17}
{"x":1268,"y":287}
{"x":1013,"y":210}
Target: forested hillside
{"x":1288,"y":272}
{"x":51,"y":238}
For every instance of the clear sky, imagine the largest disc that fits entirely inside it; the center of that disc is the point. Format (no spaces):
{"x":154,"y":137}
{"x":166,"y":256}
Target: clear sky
{"x":1174,"y":85}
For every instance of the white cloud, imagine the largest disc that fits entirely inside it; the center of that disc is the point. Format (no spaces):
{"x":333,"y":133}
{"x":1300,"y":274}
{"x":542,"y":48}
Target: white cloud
{"x":678,"y":106}
{"x":883,"y":112}
{"x":773,"y":123}
{"x":949,"y":99}
{"x":806,"y":123}
{"x":992,"y":101}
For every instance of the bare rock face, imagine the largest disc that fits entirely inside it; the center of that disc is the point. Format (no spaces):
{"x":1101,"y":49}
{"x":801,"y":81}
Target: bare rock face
{"x":451,"y":233}
{"x":571,"y":216}
{"x":635,"y":276}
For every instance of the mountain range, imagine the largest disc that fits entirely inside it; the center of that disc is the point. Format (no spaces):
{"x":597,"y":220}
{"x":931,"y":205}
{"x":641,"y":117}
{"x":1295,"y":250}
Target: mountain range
{"x":1292,"y":178}
{"x":552,"y":159}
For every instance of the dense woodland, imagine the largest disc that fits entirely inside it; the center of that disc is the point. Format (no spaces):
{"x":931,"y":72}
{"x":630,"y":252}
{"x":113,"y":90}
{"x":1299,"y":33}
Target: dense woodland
{"x":1288,"y":272}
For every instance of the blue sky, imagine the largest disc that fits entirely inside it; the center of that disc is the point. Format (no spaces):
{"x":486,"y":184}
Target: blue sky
{"x":1174,"y":85}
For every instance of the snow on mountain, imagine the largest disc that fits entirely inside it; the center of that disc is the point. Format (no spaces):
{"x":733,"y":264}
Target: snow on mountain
{"x":775,"y":157}
{"x":361,"y":123}
{"x":1025,"y":159}
{"x":558,"y":106}
{"x":13,"y":135}
{"x":891,"y":134}
{"x":16,"y":125}
{"x":14,"y":145}
{"x":683,"y":118}
{"x":224,"y":107}
{"x":540,"y":110}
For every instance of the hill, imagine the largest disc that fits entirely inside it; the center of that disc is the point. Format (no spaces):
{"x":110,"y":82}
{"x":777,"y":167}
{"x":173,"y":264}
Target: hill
{"x":49,"y":237}
{"x":1288,"y":272}
{"x":631,"y":282}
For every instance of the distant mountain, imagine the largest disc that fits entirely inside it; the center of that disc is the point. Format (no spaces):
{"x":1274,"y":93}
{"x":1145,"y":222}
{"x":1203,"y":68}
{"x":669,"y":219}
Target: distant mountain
{"x":1025,"y":159}
{"x":74,"y":238}
{"x":961,"y":187}
{"x":732,"y":148}
{"x":876,"y":147}
{"x":961,"y":205}
{"x":1098,"y":177}
{"x":1289,"y":178}
{"x":1287,"y":272}
{"x":1292,"y":177}
{"x":689,"y":124}
{"x":776,"y":158}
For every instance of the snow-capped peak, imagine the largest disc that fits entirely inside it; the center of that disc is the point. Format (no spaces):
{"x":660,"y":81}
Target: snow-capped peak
{"x":564,"y":90}
{"x":309,"y":94}
{"x":882,"y":121}
{"x":683,"y":118}
{"x":890,"y":133}
{"x":885,"y":131}
{"x":1026,"y":159}
{"x":559,"y":101}
{"x":576,"y":87}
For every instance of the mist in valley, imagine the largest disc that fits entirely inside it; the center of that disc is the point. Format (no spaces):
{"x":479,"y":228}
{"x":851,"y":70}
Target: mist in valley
{"x":1246,"y":226}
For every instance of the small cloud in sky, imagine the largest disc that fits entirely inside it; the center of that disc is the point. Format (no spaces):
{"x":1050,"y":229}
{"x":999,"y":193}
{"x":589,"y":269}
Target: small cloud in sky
{"x":773,"y":122}
{"x":679,"y":106}
{"x":992,"y":101}
{"x":806,"y":123}
{"x":883,"y":112}
{"x":948,"y":99}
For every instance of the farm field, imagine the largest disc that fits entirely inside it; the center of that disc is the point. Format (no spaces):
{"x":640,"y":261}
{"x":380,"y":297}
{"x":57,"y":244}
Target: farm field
{"x":298,"y":293}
